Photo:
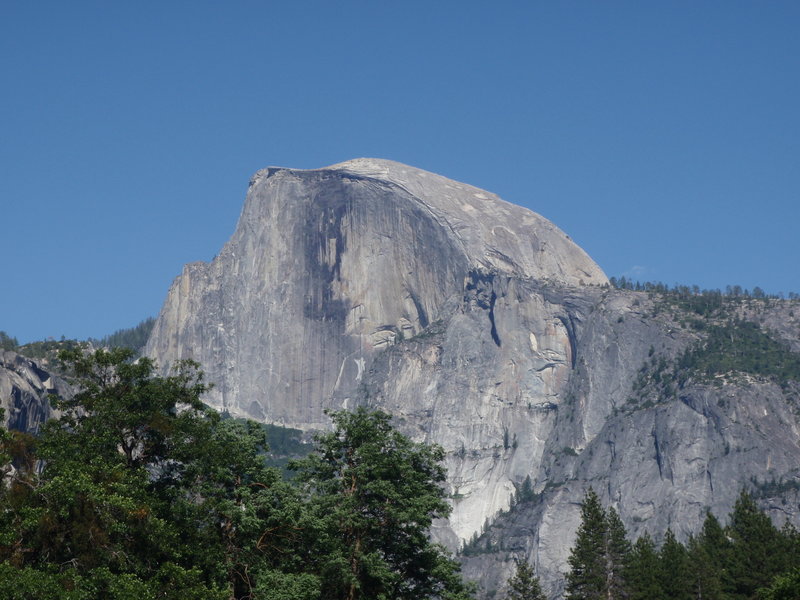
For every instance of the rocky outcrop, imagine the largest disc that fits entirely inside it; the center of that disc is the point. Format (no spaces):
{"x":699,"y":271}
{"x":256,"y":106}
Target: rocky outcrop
{"x":25,"y":387}
{"x":481,"y":327}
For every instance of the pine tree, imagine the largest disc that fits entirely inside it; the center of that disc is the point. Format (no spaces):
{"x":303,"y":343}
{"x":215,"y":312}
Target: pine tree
{"x":524,"y":585}
{"x":704,"y":573}
{"x":642,"y":571}
{"x":618,"y":550}
{"x":717,"y":547}
{"x":753,"y":539}
{"x":586,"y":579}
{"x":674,"y":569}
{"x":784,"y":587}
{"x":789,"y":547}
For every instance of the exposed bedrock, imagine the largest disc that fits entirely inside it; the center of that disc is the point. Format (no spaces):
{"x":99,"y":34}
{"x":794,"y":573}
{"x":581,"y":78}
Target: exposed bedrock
{"x":329,"y":267}
{"x":25,"y":387}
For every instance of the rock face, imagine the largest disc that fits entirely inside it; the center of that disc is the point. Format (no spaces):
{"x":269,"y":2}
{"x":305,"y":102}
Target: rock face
{"x":661,"y":460}
{"x":24,"y":390}
{"x":328,"y":267}
{"x":481,"y":327}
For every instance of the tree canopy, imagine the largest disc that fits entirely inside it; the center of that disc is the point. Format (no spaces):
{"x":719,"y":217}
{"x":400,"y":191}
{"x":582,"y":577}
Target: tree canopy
{"x":138,"y":491}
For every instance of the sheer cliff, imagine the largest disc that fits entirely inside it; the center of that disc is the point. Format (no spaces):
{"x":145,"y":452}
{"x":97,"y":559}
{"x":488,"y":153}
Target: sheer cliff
{"x":482,"y":327}
{"x":328,"y":267}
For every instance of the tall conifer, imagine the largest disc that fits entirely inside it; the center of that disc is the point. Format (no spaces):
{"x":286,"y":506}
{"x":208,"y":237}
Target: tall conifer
{"x":618,"y":550}
{"x":586,"y":579}
{"x":753,"y":537}
{"x":674,"y":569}
{"x":704,"y":574}
{"x":642,"y":572}
{"x":524,"y":585}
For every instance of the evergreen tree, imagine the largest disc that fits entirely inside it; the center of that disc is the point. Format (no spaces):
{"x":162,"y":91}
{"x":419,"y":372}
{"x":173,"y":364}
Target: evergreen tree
{"x":374,"y":494}
{"x":618,"y":550}
{"x":754,"y":539}
{"x":146,"y":494}
{"x":524,"y":585}
{"x":586,"y":579}
{"x":783,"y":587}
{"x":789,"y":551}
{"x":717,"y":547}
{"x":674,"y":569}
{"x":704,"y":572}
{"x":95,"y":512}
{"x":642,"y":573}
{"x":7,"y":342}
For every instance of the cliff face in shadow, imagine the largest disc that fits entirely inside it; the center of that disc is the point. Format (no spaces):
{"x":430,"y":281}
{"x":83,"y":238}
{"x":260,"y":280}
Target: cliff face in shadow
{"x":25,"y":386}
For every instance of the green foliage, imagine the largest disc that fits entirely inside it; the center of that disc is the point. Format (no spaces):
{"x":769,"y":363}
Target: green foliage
{"x":47,"y":350}
{"x":28,"y":583}
{"x":285,"y":444}
{"x":587,"y":577}
{"x":747,"y":559}
{"x":701,"y":301}
{"x":524,"y":493}
{"x":524,"y":585}
{"x":752,"y":560}
{"x":7,"y":342}
{"x":139,"y":491}
{"x":642,"y":571}
{"x":601,"y":555}
{"x":732,"y":341}
{"x":783,"y":587}
{"x":704,"y":568}
{"x":373,"y":495}
{"x":741,"y":346}
{"x":728,"y":348}
{"x":102,"y":504}
{"x":617,"y":554}
{"x":674,"y":569}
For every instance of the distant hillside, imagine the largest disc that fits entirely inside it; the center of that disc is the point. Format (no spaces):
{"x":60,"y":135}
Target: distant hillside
{"x":46,"y":351}
{"x":133,"y":337}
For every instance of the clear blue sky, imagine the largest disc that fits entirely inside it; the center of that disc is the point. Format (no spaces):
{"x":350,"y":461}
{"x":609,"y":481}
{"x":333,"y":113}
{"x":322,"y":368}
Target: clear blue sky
{"x":664,"y":137}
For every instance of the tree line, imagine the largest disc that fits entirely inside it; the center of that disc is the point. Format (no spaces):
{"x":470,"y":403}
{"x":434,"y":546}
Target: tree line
{"x":747,"y":559}
{"x":685,"y":291}
{"x":134,"y":338}
{"x":139,"y":491}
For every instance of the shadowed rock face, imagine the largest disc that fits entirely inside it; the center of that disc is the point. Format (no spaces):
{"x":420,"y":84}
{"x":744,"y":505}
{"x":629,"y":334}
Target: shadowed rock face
{"x":24,"y":389}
